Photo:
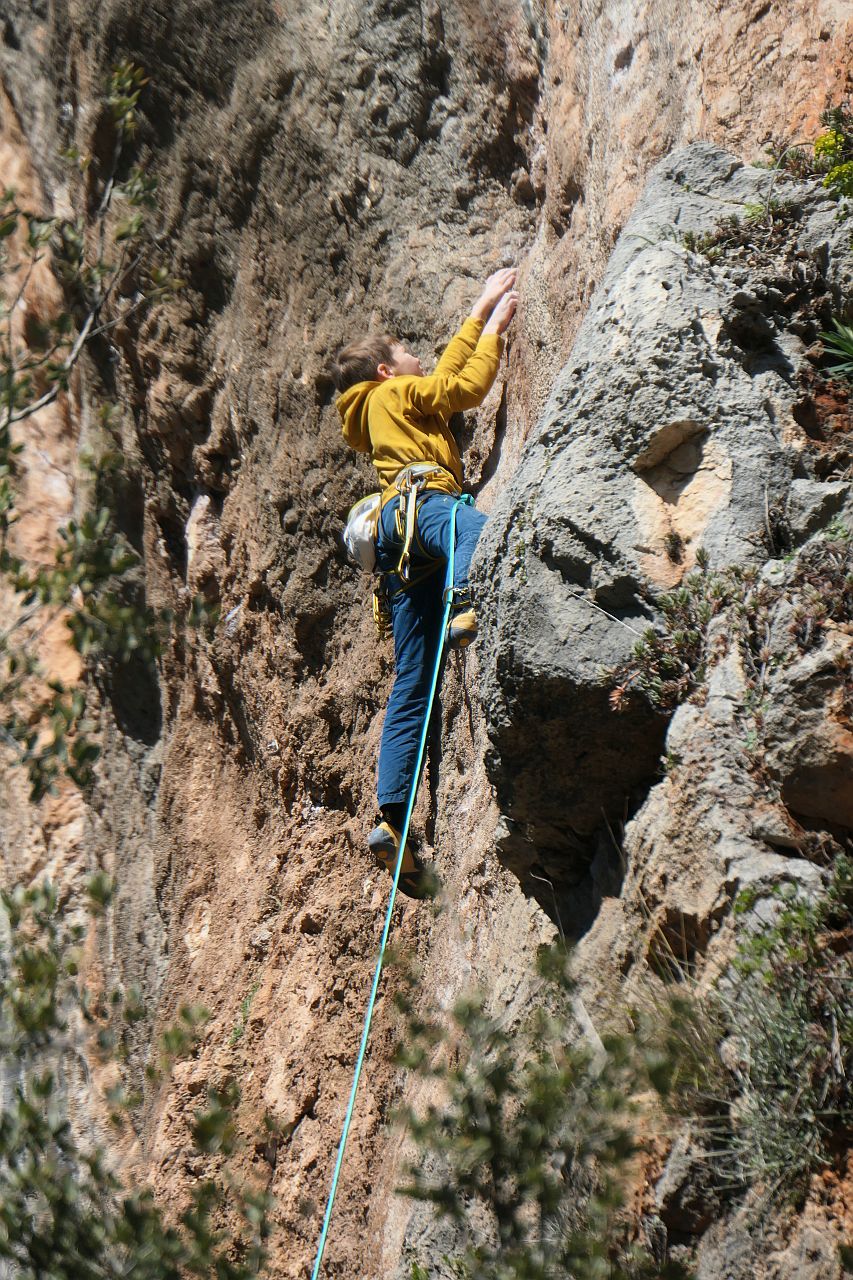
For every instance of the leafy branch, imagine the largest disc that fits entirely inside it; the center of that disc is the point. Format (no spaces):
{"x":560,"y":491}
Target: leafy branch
{"x":532,"y":1138}
{"x":89,"y":583}
{"x":63,"y":1208}
{"x":90,"y":281}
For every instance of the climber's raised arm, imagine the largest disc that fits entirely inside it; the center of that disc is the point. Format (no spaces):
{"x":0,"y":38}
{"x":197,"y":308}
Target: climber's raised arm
{"x":460,"y":347}
{"x":445,"y":392}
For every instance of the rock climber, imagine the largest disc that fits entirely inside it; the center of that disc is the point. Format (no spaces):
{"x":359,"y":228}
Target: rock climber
{"x":391,"y":409}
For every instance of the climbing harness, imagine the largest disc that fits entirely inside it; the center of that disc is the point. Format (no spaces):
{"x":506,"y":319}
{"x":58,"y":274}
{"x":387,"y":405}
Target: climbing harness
{"x":362,"y":529}
{"x":447,"y":598}
{"x":362,"y":523}
{"x":410,"y":483}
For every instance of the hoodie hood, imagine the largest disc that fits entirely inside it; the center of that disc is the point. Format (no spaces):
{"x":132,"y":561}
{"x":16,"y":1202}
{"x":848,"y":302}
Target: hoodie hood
{"x":352,"y":406}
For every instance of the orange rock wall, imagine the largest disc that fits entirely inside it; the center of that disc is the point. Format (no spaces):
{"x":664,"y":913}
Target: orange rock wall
{"x":324,"y":168}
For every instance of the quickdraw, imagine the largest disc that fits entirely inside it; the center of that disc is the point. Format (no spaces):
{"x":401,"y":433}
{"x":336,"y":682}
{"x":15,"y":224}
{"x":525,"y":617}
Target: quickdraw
{"x":382,"y":609}
{"x":382,"y":595}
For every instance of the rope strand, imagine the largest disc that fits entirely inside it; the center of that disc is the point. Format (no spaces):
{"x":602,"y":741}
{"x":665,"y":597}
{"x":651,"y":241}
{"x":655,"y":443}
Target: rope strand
{"x":448,"y":604}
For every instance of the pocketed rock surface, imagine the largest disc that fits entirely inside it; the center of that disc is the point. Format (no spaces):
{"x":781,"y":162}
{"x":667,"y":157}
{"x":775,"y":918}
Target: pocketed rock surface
{"x":328,"y":168}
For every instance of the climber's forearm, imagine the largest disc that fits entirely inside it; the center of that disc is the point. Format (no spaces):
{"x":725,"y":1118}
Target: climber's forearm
{"x":482,"y":308}
{"x":499,"y":283}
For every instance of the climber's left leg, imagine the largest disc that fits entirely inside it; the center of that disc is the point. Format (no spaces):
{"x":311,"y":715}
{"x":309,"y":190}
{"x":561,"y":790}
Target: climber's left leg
{"x":433,"y":531}
{"x":416,"y":616}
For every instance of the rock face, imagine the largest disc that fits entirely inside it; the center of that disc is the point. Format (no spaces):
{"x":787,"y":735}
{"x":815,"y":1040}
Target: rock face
{"x":672,"y":428}
{"x":677,"y":426}
{"x":324,"y":169}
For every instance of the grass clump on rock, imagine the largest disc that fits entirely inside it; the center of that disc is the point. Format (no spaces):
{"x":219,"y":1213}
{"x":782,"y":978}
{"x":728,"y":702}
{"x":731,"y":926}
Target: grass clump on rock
{"x":840,"y":345}
{"x":669,"y":664}
{"x":829,"y":158}
{"x":765,"y":1063}
{"x":824,"y":588}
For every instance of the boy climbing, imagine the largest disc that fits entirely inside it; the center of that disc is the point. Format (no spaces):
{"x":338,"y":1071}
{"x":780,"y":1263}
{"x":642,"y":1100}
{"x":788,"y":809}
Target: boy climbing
{"x":392,"y":410}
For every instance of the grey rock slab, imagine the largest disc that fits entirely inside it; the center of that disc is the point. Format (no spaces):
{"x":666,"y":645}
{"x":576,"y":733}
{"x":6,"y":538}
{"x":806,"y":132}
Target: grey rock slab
{"x":813,"y":1255}
{"x":728,"y":1251}
{"x":813,"y":503}
{"x":685,"y":1196}
{"x":809,"y":742}
{"x":664,"y":432}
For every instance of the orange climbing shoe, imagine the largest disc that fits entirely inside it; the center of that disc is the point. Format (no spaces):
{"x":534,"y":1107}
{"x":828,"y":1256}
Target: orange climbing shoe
{"x":384,"y":843}
{"x":462,"y":630}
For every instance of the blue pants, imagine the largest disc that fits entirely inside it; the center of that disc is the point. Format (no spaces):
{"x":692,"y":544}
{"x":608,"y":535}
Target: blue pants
{"x":416,"y":615}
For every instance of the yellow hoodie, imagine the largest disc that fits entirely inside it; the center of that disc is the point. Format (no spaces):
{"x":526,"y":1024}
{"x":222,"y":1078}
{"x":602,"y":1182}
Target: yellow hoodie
{"x":404,"y":420}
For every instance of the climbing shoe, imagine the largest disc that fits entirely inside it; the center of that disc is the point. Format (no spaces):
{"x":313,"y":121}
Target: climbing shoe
{"x":384,"y":843}
{"x":462,"y":630}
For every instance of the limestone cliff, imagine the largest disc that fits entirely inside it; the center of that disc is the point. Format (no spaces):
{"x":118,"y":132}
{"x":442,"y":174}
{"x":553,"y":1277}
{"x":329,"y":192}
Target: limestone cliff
{"x":322,"y":169}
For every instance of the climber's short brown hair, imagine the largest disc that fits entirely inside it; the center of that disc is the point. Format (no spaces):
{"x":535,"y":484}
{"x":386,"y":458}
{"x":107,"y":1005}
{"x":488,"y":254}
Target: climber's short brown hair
{"x":359,"y":361}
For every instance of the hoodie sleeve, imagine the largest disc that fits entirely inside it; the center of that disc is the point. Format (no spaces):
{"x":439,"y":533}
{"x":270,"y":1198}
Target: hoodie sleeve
{"x":356,"y":436}
{"x":459,"y":348}
{"x":447,"y":393}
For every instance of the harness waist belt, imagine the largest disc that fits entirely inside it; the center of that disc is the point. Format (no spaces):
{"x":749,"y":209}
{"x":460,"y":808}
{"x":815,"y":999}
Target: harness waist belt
{"x":408,"y":484}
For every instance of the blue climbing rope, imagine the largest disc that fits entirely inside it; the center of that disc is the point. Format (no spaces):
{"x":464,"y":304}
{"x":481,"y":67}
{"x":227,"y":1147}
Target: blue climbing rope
{"x":413,"y":790}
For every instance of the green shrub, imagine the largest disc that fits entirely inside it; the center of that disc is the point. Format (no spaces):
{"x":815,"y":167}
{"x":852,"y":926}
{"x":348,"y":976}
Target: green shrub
{"x":91,"y":583}
{"x":534,"y":1136}
{"x":840,"y":344}
{"x":64,"y":1211}
{"x":829,"y":158}
{"x":833,"y":152}
{"x":529,"y":1146}
{"x":767,"y":1060}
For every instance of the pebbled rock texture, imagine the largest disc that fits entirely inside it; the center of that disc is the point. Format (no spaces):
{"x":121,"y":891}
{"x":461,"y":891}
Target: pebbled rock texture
{"x":676,"y":425}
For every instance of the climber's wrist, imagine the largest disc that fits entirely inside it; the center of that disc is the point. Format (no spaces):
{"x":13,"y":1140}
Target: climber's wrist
{"x":483,"y":307}
{"x":500,"y":318}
